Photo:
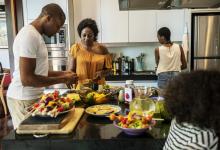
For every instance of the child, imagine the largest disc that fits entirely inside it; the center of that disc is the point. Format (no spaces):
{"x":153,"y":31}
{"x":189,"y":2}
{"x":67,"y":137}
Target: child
{"x":194,"y":101}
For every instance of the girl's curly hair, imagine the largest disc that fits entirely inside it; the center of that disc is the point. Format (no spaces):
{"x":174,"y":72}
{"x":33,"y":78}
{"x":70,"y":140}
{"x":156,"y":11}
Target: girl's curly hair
{"x":195,"y":98}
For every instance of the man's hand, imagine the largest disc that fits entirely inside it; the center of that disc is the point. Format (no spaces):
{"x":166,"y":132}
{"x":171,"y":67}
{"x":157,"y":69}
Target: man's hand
{"x":70,"y":78}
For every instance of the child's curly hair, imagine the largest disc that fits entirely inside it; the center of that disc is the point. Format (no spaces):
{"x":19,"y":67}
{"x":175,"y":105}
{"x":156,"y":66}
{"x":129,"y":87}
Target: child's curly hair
{"x":195,"y":98}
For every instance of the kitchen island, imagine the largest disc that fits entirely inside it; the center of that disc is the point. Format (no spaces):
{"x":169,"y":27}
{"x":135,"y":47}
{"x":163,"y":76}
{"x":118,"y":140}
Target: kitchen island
{"x":91,"y":133}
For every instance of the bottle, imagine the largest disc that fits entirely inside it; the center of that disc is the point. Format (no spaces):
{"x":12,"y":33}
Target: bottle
{"x":123,"y":65}
{"x":114,"y":68}
{"x":132,"y":66}
{"x":119,"y":65}
{"x":129,"y":91}
{"x":127,"y":66}
{"x":121,"y":96}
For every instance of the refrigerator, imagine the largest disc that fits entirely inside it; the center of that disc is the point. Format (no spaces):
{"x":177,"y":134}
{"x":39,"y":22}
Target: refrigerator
{"x":205,"y":44}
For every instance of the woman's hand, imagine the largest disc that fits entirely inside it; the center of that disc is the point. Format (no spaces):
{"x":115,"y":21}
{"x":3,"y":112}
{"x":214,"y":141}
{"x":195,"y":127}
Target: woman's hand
{"x":98,"y":75}
{"x":102,"y":73}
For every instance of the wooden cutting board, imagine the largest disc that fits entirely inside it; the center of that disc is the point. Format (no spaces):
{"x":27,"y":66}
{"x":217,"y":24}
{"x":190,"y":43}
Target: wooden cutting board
{"x":71,"y":119}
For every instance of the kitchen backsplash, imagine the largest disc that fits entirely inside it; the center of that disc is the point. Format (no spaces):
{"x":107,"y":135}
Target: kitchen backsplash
{"x":132,"y":51}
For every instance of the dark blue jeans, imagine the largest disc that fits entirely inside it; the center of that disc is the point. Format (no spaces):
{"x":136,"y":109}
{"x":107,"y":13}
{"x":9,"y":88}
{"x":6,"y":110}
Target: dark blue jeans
{"x":164,"y":77}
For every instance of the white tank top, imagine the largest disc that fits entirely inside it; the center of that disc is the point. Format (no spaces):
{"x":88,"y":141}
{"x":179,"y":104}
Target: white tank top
{"x":170,"y":59}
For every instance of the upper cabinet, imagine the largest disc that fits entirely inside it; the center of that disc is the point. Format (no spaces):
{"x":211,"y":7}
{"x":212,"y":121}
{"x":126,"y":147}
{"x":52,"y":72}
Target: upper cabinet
{"x":117,"y":26}
{"x":114,"y":23}
{"x":174,"y":20}
{"x":142,"y":26}
{"x":87,"y":9}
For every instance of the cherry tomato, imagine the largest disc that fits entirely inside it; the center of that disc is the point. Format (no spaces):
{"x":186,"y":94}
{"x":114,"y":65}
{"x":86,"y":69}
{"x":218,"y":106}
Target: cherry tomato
{"x":60,"y":109}
{"x":124,"y":120}
{"x":36,"y":105}
{"x":120,"y":117}
{"x":56,"y":93}
{"x":112,"y":117}
{"x":148,"y":117}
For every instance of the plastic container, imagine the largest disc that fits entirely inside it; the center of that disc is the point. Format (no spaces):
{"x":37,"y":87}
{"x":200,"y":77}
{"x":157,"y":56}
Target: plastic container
{"x":129,"y":91}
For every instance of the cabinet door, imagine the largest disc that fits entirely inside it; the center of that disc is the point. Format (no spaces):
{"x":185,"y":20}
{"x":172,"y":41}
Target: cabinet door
{"x":34,"y":7}
{"x":174,"y":20}
{"x":86,"y":9}
{"x":114,"y":22}
{"x":142,"y":26}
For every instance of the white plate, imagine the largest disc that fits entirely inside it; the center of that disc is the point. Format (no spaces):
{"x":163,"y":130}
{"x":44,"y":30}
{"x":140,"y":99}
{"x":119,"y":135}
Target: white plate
{"x":102,"y":110}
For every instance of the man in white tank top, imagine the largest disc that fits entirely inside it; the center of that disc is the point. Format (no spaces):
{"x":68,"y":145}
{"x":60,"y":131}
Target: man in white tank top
{"x":169,"y":58}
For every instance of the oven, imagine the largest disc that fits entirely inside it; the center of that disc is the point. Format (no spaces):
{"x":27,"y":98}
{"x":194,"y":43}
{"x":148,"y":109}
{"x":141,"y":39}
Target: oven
{"x":57,"y":46}
{"x":57,"y":40}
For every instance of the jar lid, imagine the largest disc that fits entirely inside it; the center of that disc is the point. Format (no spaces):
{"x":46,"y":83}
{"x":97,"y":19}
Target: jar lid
{"x":129,"y":82}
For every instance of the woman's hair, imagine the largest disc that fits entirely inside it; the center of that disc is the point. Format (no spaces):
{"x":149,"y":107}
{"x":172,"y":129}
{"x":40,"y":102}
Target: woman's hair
{"x":165,"y":32}
{"x":90,"y":23}
{"x":195,"y":98}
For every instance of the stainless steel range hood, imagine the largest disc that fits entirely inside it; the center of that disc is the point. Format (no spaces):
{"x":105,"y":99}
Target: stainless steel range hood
{"x":167,"y":4}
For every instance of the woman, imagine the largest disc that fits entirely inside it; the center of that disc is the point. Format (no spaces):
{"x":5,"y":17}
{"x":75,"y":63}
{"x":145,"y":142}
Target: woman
{"x":193,"y":100}
{"x":89,"y":59}
{"x":170,"y":58}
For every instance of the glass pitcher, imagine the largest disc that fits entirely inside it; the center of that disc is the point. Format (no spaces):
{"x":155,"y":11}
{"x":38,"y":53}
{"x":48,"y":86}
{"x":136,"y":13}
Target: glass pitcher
{"x":142,"y":106}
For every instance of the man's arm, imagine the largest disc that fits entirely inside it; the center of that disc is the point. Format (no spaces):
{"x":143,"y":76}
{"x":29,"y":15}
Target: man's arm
{"x":55,"y":73}
{"x":29,"y":78}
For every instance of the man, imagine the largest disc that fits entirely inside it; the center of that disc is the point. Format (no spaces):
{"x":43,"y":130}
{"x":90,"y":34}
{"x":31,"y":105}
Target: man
{"x":31,"y":73}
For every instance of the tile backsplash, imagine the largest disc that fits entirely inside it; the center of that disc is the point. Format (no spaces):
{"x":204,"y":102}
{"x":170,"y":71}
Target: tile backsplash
{"x":134,"y":50}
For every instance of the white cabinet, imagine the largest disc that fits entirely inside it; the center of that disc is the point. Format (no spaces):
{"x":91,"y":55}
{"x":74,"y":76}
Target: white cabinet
{"x":142,"y":26}
{"x":174,"y":20}
{"x":114,"y":22}
{"x":32,"y":8}
{"x":87,"y":9}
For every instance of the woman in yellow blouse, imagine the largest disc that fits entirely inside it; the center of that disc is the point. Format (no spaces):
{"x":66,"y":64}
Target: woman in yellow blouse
{"x":89,"y":59}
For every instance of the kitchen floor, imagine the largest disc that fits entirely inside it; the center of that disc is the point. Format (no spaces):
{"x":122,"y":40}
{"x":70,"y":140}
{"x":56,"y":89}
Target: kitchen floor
{"x":5,"y":127}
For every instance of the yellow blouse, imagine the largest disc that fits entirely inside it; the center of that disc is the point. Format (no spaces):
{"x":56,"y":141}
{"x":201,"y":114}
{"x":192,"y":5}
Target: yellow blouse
{"x":88,"y":63}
